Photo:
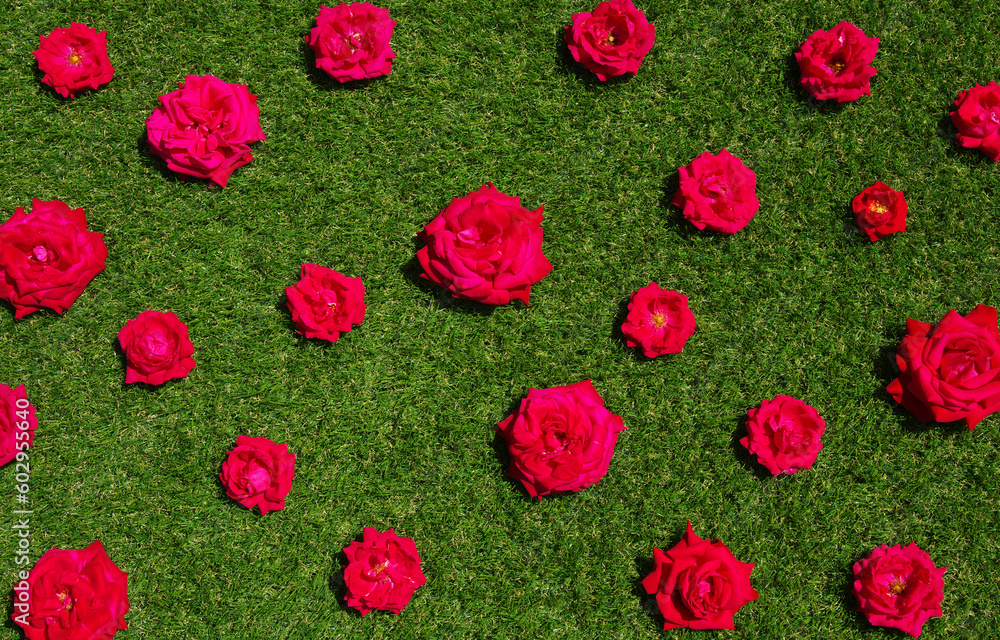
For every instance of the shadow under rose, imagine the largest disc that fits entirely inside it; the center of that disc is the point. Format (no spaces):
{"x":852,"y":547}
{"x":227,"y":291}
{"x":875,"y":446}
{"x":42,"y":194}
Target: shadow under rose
{"x":743,"y":455}
{"x":846,"y":596}
{"x":793,"y":82}
{"x":568,"y":64}
{"x":949,"y":133}
{"x":321,"y":79}
{"x":644,"y":565}
{"x":411,"y":270}
{"x":336,"y":582}
{"x":619,"y":338}
{"x":674,"y":215}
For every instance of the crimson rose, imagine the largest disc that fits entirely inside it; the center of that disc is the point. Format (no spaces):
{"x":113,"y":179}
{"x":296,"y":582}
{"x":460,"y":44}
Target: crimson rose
{"x":899,"y":587}
{"x":717,"y":192}
{"x":879,"y":211}
{"x":258,"y":472}
{"x":74,"y":59}
{"x":157,"y":348}
{"x":658,"y":320}
{"x":612,"y":40}
{"x":382,"y":573}
{"x":977,"y":118}
{"x":950,"y":371}
{"x":560,"y":439}
{"x":325,"y":303}
{"x":47,"y":257}
{"x":835,"y":63}
{"x":17,"y":423}
{"x":351,"y":42}
{"x":784,"y":433}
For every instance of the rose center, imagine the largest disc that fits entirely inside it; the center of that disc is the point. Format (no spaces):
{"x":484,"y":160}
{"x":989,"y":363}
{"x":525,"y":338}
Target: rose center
{"x":837,"y":65}
{"x":878,"y":207}
{"x":378,"y":572}
{"x":41,"y":253}
{"x":897,"y":586}
{"x":74,"y":58}
{"x":658,"y":319}
{"x":64,"y":598}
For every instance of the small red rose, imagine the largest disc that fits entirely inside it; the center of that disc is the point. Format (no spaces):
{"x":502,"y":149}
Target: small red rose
{"x":699,"y":584}
{"x":899,"y":587}
{"x":717,"y":192}
{"x":47,"y":257}
{"x":382,"y":573}
{"x":258,"y":472}
{"x":879,"y":211}
{"x":612,"y":40}
{"x":17,"y":423}
{"x":72,"y":594}
{"x":325,"y":303}
{"x":74,"y":59}
{"x":157,"y":348}
{"x":977,"y":118}
{"x":784,"y":434}
{"x":659,"y":321}
{"x":835,"y":63}
{"x":351,"y":41}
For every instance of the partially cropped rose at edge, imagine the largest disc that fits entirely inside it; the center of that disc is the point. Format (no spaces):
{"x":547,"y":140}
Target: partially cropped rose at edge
{"x":352,"y":41}
{"x":784,"y":434}
{"x":74,"y":59}
{"x":325,"y":303}
{"x":157,"y":348}
{"x":835,"y":64}
{"x":717,"y":192}
{"x":659,"y":321}
{"x":899,"y":587}
{"x":383,"y":572}
{"x":977,"y":118}
{"x":258,"y":473}
{"x":879,"y":210}
{"x":612,"y":40}
{"x":17,"y":423}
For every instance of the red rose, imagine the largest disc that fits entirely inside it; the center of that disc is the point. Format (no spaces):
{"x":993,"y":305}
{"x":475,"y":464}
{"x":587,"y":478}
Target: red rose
{"x":784,"y":434}
{"x":899,"y":587}
{"x":382,"y":573}
{"x":717,"y":192}
{"x":950,"y":371}
{"x":258,"y":472}
{"x":325,"y":303}
{"x":485,"y":247}
{"x":17,"y":423}
{"x":47,"y":257}
{"x":658,"y":320}
{"x":879,"y":211}
{"x":834,"y":63}
{"x":204,"y":129}
{"x":72,"y":594}
{"x":612,"y":40}
{"x":157,"y":348}
{"x":977,"y":118}
{"x":351,"y":42}
{"x":74,"y":59}
{"x":560,"y":439}
{"x":699,"y":584}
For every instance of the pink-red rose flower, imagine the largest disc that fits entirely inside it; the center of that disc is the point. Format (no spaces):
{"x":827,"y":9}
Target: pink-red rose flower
{"x":382,"y":573}
{"x":699,"y":584}
{"x":784,"y":434}
{"x":899,"y":587}
{"x":951,"y":370}
{"x":879,"y":211}
{"x":835,"y":63}
{"x":74,"y":59}
{"x":258,"y":472}
{"x":351,"y":41}
{"x":485,"y":247}
{"x":17,"y":423}
{"x":325,"y":303}
{"x":47,"y":257}
{"x":72,"y":594}
{"x":204,"y":129}
{"x":658,"y":320}
{"x":977,"y":118}
{"x":157,"y":348}
{"x":717,"y":192}
{"x":560,"y":439}
{"x":612,"y":40}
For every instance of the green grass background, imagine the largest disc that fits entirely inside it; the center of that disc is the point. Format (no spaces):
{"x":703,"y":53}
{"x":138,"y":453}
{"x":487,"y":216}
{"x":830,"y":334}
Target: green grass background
{"x":393,"y":425}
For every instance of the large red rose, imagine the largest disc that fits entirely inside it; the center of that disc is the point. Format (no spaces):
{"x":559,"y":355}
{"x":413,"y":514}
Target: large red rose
{"x":47,"y":257}
{"x":784,"y":434}
{"x":977,"y":118}
{"x":835,"y":63}
{"x":612,"y":40}
{"x":717,"y":192}
{"x":74,"y":59}
{"x":17,"y":423}
{"x":351,"y":41}
{"x":157,"y":348}
{"x":560,"y":439}
{"x":325,"y":303}
{"x":950,"y":371}
{"x":204,"y":129}
{"x":899,"y":587}
{"x":485,"y":247}
{"x":659,"y":321}
{"x":383,"y":571}
{"x":72,"y":594}
{"x":258,"y":472}
{"x":879,"y":211}
{"x":699,"y":584}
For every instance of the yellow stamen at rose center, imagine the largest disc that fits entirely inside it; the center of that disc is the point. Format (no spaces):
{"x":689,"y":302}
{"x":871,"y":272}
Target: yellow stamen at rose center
{"x":897,"y":586}
{"x":837,"y":67}
{"x":65,"y":600}
{"x":74,"y":58}
{"x":379,"y":568}
{"x":878,"y":207}
{"x":611,"y":38}
{"x":658,"y":319}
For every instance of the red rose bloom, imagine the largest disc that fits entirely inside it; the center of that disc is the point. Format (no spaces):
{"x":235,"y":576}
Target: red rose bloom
{"x":382,"y":573}
{"x":47,"y":257}
{"x":485,"y":247}
{"x":977,"y":118}
{"x":899,"y":587}
{"x":784,"y":434}
{"x":17,"y":423}
{"x":699,"y":584}
{"x":950,"y":371}
{"x":351,"y":42}
{"x":612,"y":40}
{"x":74,"y":59}
{"x":560,"y":439}
{"x":835,"y":63}
{"x":325,"y":303}
{"x":72,"y":594}
{"x":879,"y":211}
{"x":658,"y":320}
{"x":157,"y":348}
{"x":258,"y":472}
{"x":717,"y":192}
{"x":204,"y":129}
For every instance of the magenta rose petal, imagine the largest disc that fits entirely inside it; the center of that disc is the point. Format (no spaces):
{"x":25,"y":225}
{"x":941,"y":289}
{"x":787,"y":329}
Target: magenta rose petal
{"x":352,"y":41}
{"x":383,"y":572}
{"x":17,"y":422}
{"x":258,"y":473}
{"x":74,"y":59}
{"x":899,"y":587}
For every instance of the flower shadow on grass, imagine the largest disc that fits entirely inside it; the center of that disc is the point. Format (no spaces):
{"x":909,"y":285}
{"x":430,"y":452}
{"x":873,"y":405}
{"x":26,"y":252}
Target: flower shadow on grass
{"x":674,"y":216}
{"x":743,"y":455}
{"x":792,"y":81}
{"x":846,"y":596}
{"x":618,"y":337}
{"x":9,"y":621}
{"x":570,"y":66}
{"x":644,"y":565}
{"x":411,"y":270}
{"x":320,"y":79}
